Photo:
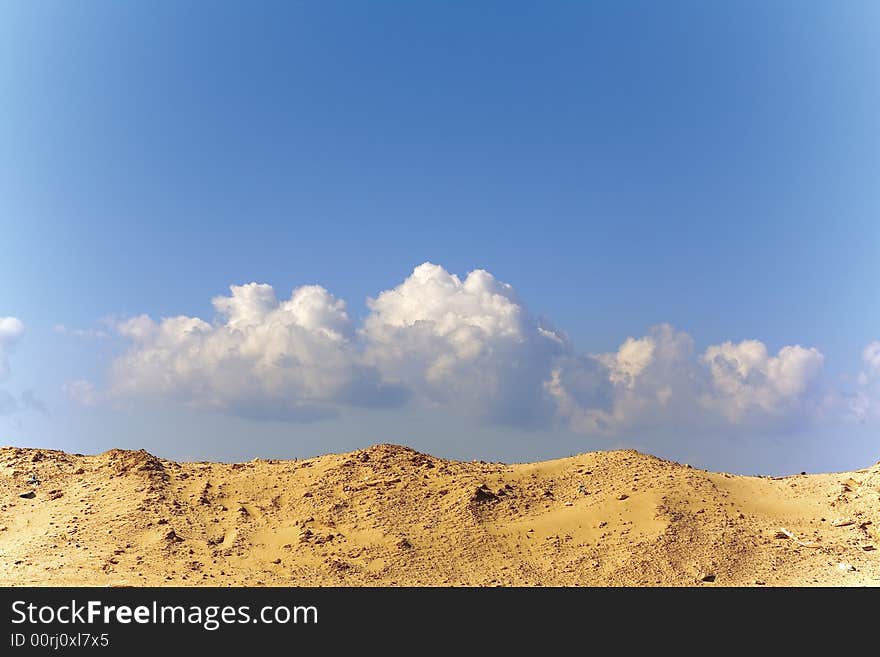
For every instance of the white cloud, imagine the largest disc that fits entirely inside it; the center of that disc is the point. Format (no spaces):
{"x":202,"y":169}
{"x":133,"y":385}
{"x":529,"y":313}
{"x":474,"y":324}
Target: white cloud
{"x":656,"y":381}
{"x":746,"y":380}
{"x":583,"y":392}
{"x":264,"y":358}
{"x":467,"y":344}
{"x":649,"y":381}
{"x":11,"y":330}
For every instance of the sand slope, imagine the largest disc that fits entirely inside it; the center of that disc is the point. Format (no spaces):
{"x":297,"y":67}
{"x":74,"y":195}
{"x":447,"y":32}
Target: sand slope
{"x":388,"y":515}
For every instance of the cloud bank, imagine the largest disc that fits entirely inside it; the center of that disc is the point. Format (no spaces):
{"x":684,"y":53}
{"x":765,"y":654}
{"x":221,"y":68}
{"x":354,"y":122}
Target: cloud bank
{"x":294,"y":359}
{"x":467,"y":344}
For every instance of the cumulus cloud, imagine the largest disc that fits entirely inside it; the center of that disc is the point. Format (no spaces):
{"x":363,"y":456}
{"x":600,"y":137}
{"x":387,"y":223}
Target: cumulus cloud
{"x":746,"y":380}
{"x":582,"y":390}
{"x":292,"y":359}
{"x":648,"y":381}
{"x":467,"y":344}
{"x":657,"y":380}
{"x":11,"y":330}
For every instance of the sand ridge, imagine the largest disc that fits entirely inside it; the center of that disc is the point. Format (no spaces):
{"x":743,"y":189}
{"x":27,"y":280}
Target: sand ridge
{"x":389,"y":515}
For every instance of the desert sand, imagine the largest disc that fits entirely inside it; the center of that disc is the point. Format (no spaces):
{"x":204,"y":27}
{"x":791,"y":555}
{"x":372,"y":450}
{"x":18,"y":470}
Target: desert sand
{"x":389,"y":516}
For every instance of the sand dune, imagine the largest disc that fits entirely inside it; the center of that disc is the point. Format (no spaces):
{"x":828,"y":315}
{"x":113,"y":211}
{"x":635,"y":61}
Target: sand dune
{"x":388,"y":515}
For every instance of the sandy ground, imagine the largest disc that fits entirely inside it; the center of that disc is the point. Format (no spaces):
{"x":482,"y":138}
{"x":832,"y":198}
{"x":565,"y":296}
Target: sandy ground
{"x":388,"y":515}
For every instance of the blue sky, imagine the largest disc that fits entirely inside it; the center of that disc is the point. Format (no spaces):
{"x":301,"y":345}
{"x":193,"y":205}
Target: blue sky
{"x":713,"y":166}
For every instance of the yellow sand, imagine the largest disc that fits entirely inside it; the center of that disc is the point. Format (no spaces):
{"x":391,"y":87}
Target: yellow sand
{"x":388,"y":515}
